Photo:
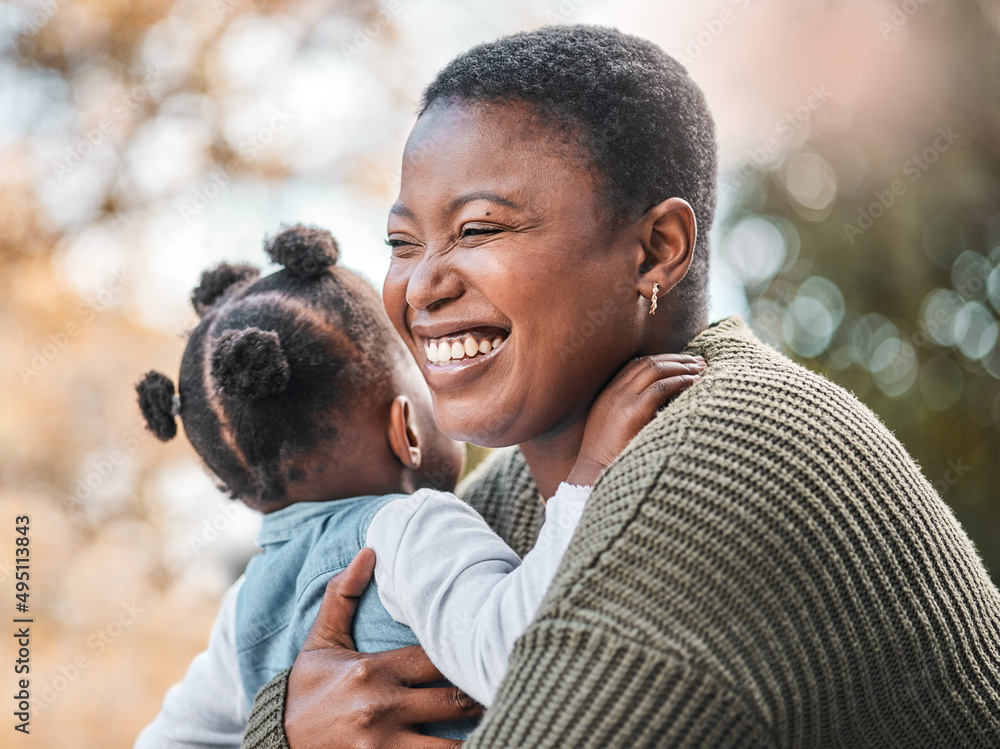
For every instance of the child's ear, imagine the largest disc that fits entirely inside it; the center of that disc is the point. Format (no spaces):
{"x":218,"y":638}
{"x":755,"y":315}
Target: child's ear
{"x":403,"y":440}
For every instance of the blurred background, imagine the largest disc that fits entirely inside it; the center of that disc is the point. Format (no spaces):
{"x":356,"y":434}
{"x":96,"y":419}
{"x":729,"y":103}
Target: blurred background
{"x":142,"y":141}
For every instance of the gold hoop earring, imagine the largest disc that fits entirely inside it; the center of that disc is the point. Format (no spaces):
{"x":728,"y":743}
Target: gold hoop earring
{"x":652,"y":298}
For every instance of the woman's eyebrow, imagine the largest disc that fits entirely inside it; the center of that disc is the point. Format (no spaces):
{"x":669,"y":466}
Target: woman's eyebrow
{"x":469,"y":197}
{"x":398,"y":209}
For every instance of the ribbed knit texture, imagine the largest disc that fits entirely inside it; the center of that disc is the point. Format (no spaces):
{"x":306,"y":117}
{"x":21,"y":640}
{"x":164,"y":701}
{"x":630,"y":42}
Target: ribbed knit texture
{"x":266,"y":727}
{"x":764,"y":566}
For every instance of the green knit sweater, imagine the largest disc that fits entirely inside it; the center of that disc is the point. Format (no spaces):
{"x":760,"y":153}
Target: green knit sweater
{"x":764,"y":566}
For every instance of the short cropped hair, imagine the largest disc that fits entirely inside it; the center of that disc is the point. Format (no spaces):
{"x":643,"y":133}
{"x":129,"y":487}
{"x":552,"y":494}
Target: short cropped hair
{"x":633,"y":108}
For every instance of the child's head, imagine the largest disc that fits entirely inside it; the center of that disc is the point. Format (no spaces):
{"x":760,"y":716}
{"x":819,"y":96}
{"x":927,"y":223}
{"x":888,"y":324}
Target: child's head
{"x":294,"y":387}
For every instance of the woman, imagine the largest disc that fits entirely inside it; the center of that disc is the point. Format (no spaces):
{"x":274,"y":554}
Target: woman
{"x":763,"y":567}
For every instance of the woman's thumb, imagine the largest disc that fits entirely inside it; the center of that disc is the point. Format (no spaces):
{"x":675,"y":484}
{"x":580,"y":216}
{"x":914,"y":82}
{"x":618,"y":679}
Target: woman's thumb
{"x":332,"y":628}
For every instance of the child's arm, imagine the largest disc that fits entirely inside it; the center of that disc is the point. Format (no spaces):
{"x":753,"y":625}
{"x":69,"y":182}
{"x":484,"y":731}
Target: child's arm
{"x":208,"y":708}
{"x":463,"y":591}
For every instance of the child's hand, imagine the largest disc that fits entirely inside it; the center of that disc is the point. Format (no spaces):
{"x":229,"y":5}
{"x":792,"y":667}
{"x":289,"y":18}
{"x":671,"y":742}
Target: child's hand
{"x":626,"y":405}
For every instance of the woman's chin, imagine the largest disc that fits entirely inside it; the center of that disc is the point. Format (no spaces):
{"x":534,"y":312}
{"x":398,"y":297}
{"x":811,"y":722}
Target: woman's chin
{"x":480,"y":425}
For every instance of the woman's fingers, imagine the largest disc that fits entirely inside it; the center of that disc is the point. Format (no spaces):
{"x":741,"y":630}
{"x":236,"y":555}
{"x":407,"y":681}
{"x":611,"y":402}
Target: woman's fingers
{"x":433,"y":704}
{"x":339,"y":698}
{"x":334,"y":621}
{"x":414,"y":740}
{"x":409,"y":666}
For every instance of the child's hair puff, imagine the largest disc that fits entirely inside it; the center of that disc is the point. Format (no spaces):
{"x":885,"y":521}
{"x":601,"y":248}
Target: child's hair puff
{"x":250,"y":364}
{"x":272,"y":364}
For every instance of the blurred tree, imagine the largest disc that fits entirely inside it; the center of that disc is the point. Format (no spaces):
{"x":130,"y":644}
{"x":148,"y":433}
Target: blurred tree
{"x":872,"y":254}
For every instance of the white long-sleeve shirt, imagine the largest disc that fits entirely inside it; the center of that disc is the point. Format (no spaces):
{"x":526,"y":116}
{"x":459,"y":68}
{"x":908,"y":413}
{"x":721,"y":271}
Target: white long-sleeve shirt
{"x":440,"y":570}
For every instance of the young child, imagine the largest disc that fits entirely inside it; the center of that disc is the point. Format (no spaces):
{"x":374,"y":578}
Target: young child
{"x":298,"y":395}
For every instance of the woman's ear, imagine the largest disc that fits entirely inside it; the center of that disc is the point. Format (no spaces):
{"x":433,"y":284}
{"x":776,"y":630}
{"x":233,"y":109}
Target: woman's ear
{"x":669,"y":233}
{"x":403,"y":439}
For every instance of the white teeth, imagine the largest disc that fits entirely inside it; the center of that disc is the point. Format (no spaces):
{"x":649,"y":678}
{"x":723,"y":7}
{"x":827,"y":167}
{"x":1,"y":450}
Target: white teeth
{"x":443,"y":351}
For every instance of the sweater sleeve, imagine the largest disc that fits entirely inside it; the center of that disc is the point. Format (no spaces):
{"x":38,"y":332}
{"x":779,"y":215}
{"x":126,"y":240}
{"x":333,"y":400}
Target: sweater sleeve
{"x":464,"y":592}
{"x":576,"y":685}
{"x":266,"y":726}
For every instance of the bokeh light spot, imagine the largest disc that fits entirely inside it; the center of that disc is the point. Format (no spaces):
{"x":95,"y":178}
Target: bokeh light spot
{"x":941,"y":382}
{"x":940,"y":308}
{"x":755,"y":250}
{"x":975,"y":331}
{"x":969,"y":275}
{"x":812,"y":184}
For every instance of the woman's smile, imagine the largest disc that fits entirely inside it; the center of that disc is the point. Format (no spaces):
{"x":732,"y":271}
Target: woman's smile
{"x":463,"y":346}
{"x":468,"y":358}
{"x":455,"y":352}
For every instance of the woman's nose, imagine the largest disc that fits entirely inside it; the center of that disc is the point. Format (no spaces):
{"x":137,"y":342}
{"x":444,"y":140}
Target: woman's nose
{"x":433,"y":282}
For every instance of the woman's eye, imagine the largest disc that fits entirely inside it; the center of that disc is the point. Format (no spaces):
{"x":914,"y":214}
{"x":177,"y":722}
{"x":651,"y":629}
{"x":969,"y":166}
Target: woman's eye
{"x":401,"y":248}
{"x":476,"y":231}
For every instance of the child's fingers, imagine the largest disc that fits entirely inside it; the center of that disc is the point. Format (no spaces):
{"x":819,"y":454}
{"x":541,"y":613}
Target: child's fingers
{"x":649,"y":369}
{"x":334,"y":621}
{"x":658,"y":392}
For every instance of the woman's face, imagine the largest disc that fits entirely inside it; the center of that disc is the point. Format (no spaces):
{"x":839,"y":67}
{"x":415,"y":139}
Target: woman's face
{"x":516,"y":300}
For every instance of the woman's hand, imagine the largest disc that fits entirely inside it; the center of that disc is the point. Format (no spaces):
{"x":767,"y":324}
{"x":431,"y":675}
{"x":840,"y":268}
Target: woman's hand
{"x":626,"y":405}
{"x":338,"y":697}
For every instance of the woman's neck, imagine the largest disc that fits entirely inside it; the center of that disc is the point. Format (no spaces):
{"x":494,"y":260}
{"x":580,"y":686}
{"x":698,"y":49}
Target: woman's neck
{"x":551,"y":457}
